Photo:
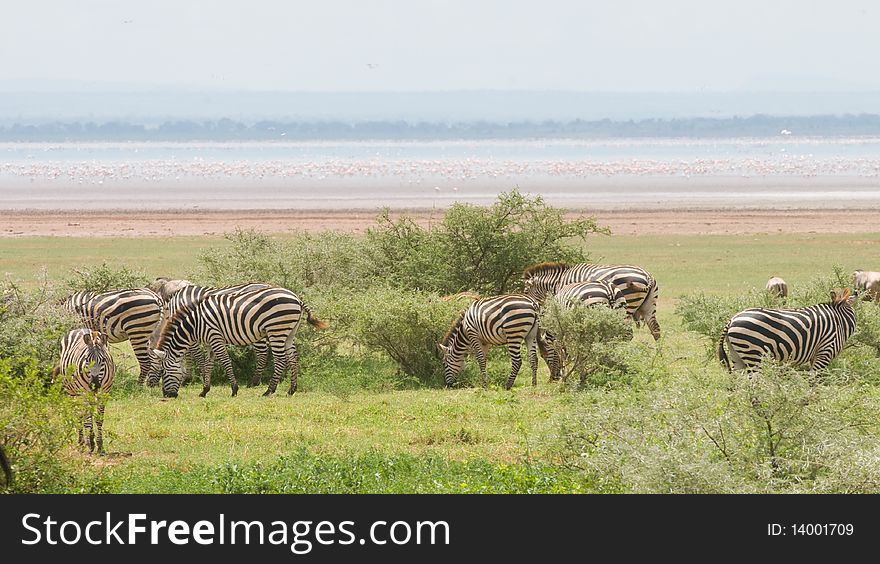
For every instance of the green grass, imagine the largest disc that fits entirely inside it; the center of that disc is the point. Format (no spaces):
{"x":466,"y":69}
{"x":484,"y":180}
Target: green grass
{"x":352,"y":439}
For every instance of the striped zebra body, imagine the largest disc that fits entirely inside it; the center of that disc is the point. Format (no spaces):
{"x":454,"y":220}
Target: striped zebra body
{"x":218,"y":320}
{"x":812,"y":335}
{"x":121,"y":315}
{"x":499,"y":320}
{"x":87,"y":370}
{"x":635,"y":284}
{"x":188,"y":295}
{"x":601,"y":293}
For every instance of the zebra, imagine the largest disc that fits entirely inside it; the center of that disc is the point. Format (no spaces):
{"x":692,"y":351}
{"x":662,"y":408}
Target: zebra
{"x":190,"y":294}
{"x":777,"y":287}
{"x":121,"y":315}
{"x":811,"y":335}
{"x":87,"y":369}
{"x":508,"y":320}
{"x":636,"y":285}
{"x":271,"y":314}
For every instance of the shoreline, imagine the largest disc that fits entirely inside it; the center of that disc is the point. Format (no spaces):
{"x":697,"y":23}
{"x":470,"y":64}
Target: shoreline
{"x":189,"y":223}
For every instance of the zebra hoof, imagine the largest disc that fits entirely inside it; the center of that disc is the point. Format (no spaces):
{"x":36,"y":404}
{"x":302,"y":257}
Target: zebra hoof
{"x":291,"y":391}
{"x":268,"y":393}
{"x":204,"y":392}
{"x":234,"y":390}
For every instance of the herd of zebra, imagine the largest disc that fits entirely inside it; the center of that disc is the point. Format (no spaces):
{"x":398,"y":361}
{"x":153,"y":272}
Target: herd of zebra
{"x":172,"y":318}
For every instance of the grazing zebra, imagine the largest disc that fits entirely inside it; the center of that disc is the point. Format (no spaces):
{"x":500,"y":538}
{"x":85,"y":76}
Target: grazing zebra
{"x":499,"y":320}
{"x":811,"y":335}
{"x":167,"y":287}
{"x":216,"y":320}
{"x":87,"y":370}
{"x":777,"y":287}
{"x":121,"y":315}
{"x":635,"y":284}
{"x":189,"y":295}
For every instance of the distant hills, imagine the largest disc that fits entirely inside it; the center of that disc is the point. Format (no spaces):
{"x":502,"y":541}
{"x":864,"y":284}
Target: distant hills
{"x":268,"y":130}
{"x":84,"y":113}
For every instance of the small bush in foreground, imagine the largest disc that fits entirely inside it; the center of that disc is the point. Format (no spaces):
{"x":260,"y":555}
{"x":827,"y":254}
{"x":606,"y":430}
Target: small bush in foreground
{"x":589,"y":339}
{"x":103,"y":278}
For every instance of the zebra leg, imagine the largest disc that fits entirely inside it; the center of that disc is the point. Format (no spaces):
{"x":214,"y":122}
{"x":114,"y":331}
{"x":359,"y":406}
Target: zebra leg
{"x":515,"y":363}
{"x":480,"y":352}
{"x":207,"y":368}
{"x":99,"y":424}
{"x":280,"y":356}
{"x":79,"y":432}
{"x":262,"y":350}
{"x":218,"y":347}
{"x":90,"y":433}
{"x":293,"y":363}
{"x":149,"y":371}
{"x":533,"y":363}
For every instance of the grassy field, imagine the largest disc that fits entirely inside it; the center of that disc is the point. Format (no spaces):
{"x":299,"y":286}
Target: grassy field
{"x":469,"y":440}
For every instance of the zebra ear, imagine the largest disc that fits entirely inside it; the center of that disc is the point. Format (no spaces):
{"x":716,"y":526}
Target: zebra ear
{"x":442,"y":348}
{"x":87,"y":339}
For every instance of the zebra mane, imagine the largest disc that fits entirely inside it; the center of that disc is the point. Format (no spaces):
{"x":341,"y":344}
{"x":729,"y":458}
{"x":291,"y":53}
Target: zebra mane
{"x":182,"y":311}
{"x":543,"y":268}
{"x":453,"y":329}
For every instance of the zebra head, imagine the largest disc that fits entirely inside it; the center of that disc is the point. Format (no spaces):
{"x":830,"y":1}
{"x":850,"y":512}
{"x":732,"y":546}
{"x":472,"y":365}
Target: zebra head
{"x":452,"y":351}
{"x":542,"y":279}
{"x":167,"y":363}
{"x":97,"y":357}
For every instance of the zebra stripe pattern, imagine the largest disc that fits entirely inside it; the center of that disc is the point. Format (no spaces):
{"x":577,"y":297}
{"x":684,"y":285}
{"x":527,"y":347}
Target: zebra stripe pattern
{"x":87,"y":370}
{"x":123,"y":315}
{"x":591,"y":293}
{"x":635,"y":284}
{"x":190,"y":294}
{"x":499,"y":320}
{"x":271,"y":314}
{"x":812,"y":335}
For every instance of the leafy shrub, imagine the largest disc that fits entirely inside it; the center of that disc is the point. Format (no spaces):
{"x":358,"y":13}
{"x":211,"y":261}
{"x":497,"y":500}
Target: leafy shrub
{"x":302,"y":261}
{"x":36,"y":420}
{"x":712,"y":432}
{"x":104,"y":278}
{"x":483,"y":249}
{"x":590,"y":340}
{"x":405,"y":325}
{"x":32,"y":324}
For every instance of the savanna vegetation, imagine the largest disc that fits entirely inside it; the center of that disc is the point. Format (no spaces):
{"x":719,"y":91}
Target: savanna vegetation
{"x":629,"y":415}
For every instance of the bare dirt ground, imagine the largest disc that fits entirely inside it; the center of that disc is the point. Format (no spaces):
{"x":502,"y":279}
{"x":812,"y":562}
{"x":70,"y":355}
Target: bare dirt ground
{"x":166,"y":224}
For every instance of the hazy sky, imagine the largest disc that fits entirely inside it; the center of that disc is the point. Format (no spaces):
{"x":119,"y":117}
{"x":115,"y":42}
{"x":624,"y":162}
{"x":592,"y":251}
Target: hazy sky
{"x":411,"y":45}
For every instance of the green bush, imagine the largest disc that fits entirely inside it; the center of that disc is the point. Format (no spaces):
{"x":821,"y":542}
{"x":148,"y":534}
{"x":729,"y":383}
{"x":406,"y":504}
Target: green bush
{"x":707,"y":431}
{"x":405,"y":325}
{"x":103,"y":278}
{"x":302,"y":261}
{"x":32,"y":324}
{"x":483,"y":249}
{"x":592,"y":341}
{"x":36,"y":422}
{"x":707,"y":314}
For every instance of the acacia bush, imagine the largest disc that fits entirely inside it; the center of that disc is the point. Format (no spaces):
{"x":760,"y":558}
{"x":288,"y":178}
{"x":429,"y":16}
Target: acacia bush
{"x":482,"y":249}
{"x":592,"y":341}
{"x":706,"y":431}
{"x":103,"y":278}
{"x":404,"y":325}
{"x":302,"y":261}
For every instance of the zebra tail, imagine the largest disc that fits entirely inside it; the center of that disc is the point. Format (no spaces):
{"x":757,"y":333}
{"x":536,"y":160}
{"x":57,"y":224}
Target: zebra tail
{"x":722,"y":355}
{"x":314,"y":321}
